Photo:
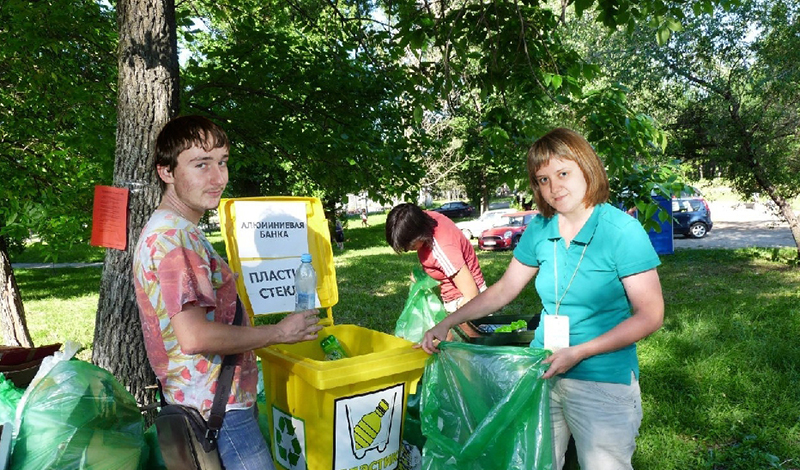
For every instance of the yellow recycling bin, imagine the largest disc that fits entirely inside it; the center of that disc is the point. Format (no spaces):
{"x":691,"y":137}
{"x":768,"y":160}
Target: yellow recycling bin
{"x":340,"y":415}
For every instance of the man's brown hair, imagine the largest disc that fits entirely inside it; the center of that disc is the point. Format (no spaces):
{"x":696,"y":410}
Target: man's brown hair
{"x":182,"y":133}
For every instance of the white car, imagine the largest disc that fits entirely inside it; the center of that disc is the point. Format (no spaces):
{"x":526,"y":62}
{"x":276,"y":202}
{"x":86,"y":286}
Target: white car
{"x":474,"y":228}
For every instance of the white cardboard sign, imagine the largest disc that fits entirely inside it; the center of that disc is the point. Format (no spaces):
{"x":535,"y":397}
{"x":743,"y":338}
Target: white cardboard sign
{"x":270,"y":284}
{"x":267,"y":229}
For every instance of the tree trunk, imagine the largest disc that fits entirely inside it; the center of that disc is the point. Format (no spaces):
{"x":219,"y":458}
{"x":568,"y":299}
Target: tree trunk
{"x":147,"y":99}
{"x":791,"y":218}
{"x":12,"y":313}
{"x":783,"y":205}
{"x":759,"y":174}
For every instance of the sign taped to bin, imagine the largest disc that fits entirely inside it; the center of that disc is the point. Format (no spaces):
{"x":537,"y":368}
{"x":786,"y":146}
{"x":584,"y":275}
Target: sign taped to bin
{"x":367,"y":429}
{"x":264,"y":238}
{"x":270,"y":284}
{"x":271,"y":229}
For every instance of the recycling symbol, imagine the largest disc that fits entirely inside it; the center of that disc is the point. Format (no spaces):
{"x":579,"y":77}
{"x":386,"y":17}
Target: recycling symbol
{"x":287,"y":443}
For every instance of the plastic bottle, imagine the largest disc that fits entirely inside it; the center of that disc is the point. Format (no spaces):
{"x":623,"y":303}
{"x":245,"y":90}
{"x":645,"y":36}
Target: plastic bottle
{"x":333,"y":348}
{"x":305,"y":285}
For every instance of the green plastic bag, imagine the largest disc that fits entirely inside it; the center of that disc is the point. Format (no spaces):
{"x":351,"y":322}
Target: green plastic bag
{"x":486,"y":408}
{"x":155,"y":461}
{"x":423,"y":308}
{"x":10,"y":395}
{"x":78,"y":416}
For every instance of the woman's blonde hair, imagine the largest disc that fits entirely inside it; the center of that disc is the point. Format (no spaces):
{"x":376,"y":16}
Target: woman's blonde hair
{"x":566,"y":144}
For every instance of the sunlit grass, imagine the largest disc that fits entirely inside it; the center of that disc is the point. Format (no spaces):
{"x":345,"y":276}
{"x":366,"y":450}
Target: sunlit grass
{"x":719,"y":381}
{"x":60,"y":304}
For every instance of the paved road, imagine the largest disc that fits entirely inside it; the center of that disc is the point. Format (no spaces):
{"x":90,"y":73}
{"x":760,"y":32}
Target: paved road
{"x":740,"y":227}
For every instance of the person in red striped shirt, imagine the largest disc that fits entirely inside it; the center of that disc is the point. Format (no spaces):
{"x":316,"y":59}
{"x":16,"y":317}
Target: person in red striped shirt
{"x":445,"y":254}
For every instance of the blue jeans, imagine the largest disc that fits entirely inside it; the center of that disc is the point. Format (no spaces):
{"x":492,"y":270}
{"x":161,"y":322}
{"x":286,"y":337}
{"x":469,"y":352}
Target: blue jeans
{"x":241,"y":445}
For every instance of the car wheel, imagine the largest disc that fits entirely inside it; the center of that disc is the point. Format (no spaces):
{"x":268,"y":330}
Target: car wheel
{"x":698,"y":230}
{"x":515,"y":240}
{"x":467,"y":234}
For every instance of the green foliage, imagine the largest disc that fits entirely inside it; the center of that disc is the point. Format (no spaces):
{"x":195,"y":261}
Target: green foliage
{"x":314,"y":103}
{"x":664,"y":17}
{"x":631,"y":145}
{"x":319,"y":99}
{"x":78,"y":253}
{"x":511,"y":71}
{"x":727,"y":88}
{"x":491,"y":73}
{"x":57,"y":116}
{"x":722,"y":92}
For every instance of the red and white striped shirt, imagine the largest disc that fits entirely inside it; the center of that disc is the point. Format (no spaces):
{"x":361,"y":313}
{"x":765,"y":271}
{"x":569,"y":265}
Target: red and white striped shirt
{"x":450,"y":252}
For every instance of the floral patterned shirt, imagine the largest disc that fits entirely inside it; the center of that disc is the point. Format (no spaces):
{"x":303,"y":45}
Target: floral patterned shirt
{"x":174,"y":267}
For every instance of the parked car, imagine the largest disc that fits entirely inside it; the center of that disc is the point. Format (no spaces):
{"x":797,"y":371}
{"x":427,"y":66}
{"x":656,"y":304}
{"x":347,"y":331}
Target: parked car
{"x":455,"y":209}
{"x":473,"y":228}
{"x":691,"y":217}
{"x":506,"y":236}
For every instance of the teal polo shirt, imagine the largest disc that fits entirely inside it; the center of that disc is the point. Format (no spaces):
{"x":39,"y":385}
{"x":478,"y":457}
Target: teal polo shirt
{"x":615,"y":246}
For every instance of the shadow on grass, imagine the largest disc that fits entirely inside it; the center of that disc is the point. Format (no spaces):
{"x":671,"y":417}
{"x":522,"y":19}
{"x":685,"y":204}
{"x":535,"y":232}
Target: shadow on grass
{"x":373,"y":281}
{"x":41,"y":253}
{"x":720,"y":378}
{"x":60,"y":283}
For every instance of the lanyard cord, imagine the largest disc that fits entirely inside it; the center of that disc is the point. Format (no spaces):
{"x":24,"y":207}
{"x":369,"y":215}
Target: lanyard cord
{"x":555,"y":271}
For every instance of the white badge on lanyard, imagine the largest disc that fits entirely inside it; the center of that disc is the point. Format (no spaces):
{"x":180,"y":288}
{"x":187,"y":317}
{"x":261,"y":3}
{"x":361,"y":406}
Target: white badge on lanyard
{"x":556,"y":332}
{"x":556,"y":327}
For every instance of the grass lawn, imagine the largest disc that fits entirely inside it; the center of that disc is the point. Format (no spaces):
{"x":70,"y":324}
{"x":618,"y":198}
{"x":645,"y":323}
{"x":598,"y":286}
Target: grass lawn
{"x":719,"y":381}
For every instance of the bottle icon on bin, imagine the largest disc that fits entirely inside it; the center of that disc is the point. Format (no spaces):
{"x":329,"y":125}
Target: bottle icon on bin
{"x":366,"y":433}
{"x":370,"y":425}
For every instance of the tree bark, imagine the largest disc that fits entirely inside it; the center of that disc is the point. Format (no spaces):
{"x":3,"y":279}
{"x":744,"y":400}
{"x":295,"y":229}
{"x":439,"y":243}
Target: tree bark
{"x":791,"y":218}
{"x":12,"y":313}
{"x":147,"y":99}
{"x":759,"y":174}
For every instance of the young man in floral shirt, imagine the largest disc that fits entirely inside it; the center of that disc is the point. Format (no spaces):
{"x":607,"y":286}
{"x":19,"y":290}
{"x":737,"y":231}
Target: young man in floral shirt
{"x":187,"y":293}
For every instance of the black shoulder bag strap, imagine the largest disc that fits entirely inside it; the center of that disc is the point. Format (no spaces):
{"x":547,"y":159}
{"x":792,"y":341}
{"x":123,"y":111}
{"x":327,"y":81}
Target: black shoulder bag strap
{"x":223,"y":385}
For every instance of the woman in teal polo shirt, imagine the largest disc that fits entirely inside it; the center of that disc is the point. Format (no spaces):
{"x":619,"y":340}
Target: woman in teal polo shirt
{"x":596,"y":275}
